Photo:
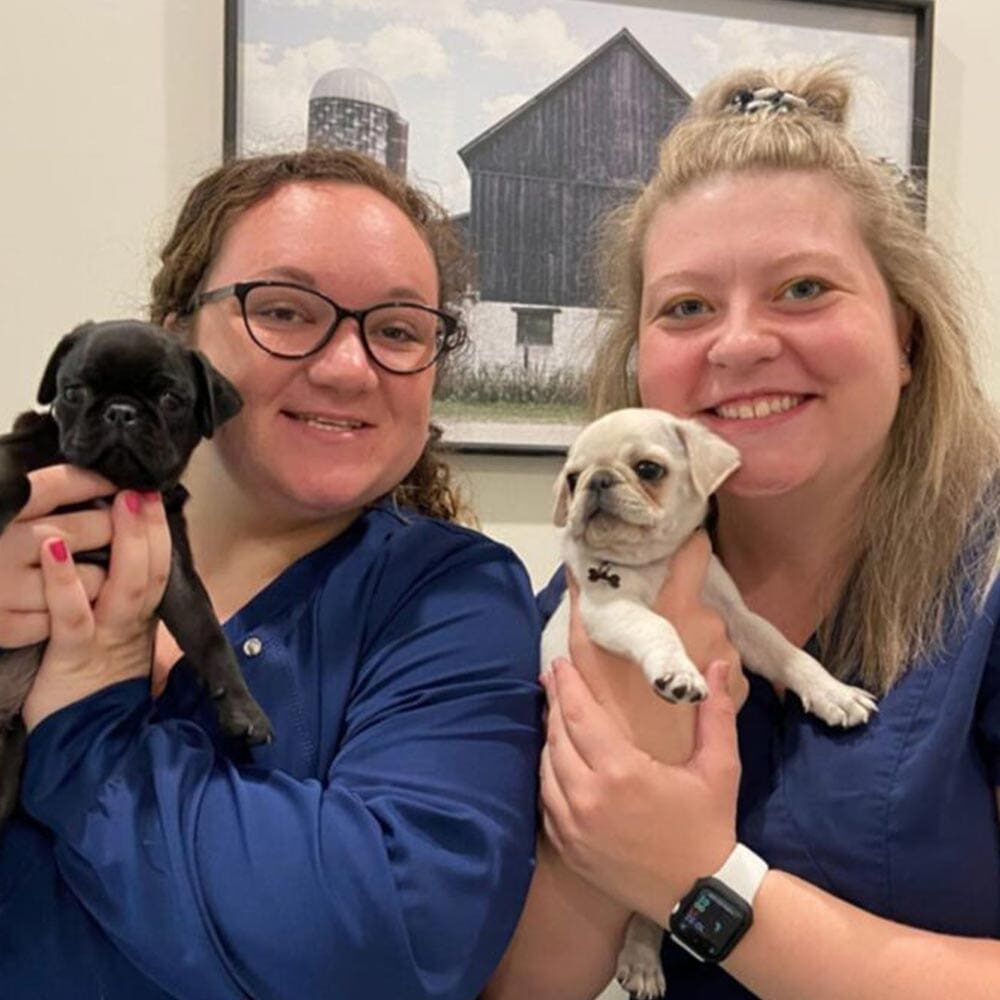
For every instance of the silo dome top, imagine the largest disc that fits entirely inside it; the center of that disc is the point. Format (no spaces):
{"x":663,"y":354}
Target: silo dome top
{"x":355,"y":84}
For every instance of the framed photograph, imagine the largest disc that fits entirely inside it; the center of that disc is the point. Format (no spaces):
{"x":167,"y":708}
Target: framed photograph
{"x":530,"y":119}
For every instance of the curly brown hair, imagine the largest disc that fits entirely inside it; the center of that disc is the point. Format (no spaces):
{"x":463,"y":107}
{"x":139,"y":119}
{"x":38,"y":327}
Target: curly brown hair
{"x":230,"y":189}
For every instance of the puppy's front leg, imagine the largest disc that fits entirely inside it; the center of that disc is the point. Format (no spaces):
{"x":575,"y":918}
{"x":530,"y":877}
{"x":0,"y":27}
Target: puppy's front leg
{"x":768,"y":653}
{"x":638,"y":633}
{"x":186,"y":610}
{"x":640,"y":972}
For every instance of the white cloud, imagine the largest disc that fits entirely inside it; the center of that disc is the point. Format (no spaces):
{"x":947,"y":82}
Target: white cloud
{"x":278,"y":114}
{"x":539,"y":38}
{"x":399,"y":51}
{"x":499,"y":107}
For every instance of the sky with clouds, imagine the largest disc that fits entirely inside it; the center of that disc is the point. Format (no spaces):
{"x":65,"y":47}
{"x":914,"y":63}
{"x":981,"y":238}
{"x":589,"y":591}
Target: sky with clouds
{"x":458,"y":66}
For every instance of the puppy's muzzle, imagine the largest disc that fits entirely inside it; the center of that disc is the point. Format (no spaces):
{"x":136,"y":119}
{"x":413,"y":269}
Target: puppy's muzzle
{"x":120,"y":415}
{"x":597,"y":492}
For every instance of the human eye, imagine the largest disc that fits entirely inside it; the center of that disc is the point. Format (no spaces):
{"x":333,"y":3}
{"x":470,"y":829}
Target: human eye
{"x":803,"y":289}
{"x":401,"y":327}
{"x":685,"y":308}
{"x":283,"y":307}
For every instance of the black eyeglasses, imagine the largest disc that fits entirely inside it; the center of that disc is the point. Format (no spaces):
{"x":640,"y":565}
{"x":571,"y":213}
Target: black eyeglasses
{"x":289,"y":321}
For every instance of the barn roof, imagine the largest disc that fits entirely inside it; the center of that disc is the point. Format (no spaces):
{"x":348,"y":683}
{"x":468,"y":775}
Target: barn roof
{"x":623,"y":35}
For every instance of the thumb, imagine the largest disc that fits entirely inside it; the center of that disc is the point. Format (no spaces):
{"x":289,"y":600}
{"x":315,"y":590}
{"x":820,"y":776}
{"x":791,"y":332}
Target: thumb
{"x":716,"y":751}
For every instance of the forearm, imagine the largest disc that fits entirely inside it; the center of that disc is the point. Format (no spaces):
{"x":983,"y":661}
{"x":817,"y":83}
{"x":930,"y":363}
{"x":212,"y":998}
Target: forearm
{"x":185,"y":861}
{"x":805,"y":942}
{"x":566,"y":941}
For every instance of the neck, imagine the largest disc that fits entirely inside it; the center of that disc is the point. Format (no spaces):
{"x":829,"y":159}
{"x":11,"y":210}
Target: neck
{"x":240,"y":547}
{"x":789,"y":555}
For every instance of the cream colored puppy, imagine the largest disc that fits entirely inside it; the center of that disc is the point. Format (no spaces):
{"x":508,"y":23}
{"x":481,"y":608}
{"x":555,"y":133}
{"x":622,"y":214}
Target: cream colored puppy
{"x":634,"y":487}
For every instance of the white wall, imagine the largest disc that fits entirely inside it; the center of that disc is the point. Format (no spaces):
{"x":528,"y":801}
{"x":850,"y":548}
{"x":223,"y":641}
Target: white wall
{"x":109,"y":108}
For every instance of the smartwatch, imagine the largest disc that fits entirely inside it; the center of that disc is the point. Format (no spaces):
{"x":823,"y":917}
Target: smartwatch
{"x":711,"y":918}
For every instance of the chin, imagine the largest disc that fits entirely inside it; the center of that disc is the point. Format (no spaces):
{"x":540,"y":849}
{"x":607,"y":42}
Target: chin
{"x":751,"y":483}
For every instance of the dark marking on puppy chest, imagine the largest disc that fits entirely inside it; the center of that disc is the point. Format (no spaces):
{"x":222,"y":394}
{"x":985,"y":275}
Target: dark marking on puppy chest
{"x":602,"y":573}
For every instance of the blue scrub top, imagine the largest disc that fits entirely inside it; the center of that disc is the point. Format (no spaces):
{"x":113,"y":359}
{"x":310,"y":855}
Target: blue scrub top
{"x":381,"y":846}
{"x":898,"y":817}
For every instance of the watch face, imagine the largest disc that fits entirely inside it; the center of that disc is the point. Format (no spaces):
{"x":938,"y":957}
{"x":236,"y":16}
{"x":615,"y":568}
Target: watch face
{"x":710,"y":919}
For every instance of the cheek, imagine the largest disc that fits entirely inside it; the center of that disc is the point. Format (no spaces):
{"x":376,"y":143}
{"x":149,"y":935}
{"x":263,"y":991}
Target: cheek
{"x":666,"y":371}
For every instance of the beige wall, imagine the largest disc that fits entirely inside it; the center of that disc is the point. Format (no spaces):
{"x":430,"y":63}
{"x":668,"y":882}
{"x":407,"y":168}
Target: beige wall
{"x":108,"y":108}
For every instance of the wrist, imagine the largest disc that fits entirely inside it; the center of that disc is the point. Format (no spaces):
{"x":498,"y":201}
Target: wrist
{"x":712,"y":917}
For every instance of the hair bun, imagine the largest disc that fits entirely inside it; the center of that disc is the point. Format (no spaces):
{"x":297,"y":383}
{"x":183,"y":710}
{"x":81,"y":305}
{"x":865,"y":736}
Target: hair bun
{"x":822,"y":89}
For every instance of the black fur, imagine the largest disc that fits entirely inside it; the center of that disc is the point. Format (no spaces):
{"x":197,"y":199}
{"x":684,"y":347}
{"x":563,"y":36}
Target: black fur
{"x":130,"y":403}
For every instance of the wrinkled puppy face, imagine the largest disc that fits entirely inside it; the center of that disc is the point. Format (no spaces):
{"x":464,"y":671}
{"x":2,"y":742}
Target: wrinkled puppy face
{"x":636,"y":484}
{"x":131,"y":402}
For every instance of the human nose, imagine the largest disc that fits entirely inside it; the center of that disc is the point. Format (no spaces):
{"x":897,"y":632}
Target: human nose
{"x":744,"y":339}
{"x":343,"y":360}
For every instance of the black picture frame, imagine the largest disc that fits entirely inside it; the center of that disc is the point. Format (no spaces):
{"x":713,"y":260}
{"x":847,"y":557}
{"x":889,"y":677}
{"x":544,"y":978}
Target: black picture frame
{"x":533,"y":320}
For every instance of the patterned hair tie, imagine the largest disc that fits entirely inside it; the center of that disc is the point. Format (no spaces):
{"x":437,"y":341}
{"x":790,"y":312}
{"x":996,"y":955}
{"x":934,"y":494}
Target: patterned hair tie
{"x":747,"y":102}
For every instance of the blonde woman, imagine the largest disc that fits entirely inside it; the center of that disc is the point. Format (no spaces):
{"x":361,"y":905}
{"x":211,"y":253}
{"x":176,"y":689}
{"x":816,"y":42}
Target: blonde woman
{"x":776,"y":284}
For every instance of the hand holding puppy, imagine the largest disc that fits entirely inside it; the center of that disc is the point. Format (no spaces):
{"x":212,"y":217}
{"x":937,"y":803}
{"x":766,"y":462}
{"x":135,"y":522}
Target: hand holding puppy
{"x":24,"y":615}
{"x":615,"y":813}
{"x":92,"y":647}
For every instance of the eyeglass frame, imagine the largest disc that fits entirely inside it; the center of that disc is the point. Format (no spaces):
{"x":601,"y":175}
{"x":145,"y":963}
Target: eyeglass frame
{"x":450,"y":339}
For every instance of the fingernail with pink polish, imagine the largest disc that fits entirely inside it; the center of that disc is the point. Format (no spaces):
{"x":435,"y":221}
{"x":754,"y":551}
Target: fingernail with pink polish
{"x":133,"y":501}
{"x":59,"y":551}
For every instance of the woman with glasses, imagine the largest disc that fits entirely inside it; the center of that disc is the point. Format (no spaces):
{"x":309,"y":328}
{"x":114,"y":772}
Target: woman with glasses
{"x":381,"y":845}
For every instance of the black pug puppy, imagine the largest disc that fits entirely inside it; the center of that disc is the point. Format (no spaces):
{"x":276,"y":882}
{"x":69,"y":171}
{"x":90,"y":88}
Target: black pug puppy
{"x":130,"y":403}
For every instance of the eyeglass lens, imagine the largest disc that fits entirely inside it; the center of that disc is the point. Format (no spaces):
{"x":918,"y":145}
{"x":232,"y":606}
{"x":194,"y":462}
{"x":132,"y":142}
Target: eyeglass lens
{"x":293,"y":322}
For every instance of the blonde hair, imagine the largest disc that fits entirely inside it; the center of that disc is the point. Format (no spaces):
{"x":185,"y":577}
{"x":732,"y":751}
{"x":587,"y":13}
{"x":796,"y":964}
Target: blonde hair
{"x":927,"y":537}
{"x":222,"y":195}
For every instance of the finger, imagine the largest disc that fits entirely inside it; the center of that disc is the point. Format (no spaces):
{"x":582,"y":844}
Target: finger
{"x":688,"y":568}
{"x":123,"y":599}
{"x":29,"y":597}
{"x":23,"y":628}
{"x":555,"y":807}
{"x":553,"y":793}
{"x":56,"y":485}
{"x":70,"y":618}
{"x":715,"y":743}
{"x":563,"y":758}
{"x":594,"y":734}
{"x":82,"y":530}
{"x":158,"y":533}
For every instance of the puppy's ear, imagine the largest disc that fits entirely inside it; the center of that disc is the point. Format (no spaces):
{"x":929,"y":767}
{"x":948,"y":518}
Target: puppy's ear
{"x":560,"y":512}
{"x":712,"y":459}
{"x":217,"y":398}
{"x":47,"y":387}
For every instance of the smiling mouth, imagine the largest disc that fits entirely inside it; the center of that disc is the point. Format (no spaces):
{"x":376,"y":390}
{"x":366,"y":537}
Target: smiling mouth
{"x":327,"y":423}
{"x":757,"y":407}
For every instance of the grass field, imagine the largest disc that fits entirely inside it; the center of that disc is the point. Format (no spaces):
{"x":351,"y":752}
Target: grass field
{"x":528,"y":413}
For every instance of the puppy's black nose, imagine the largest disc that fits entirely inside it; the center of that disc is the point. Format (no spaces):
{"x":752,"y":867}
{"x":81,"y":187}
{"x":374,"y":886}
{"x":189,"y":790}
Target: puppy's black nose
{"x":120,"y":414}
{"x":601,"y":481}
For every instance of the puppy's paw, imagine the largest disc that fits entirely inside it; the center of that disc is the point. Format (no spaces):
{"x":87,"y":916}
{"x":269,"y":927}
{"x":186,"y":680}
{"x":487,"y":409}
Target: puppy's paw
{"x":681,"y":684}
{"x":242,"y":718}
{"x":838,"y":704}
{"x":640,"y":974}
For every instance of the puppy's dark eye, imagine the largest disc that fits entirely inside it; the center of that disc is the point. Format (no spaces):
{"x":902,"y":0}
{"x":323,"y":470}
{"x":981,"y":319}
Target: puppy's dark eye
{"x":650,"y":472}
{"x":72,"y":394}
{"x":170,"y":402}
{"x":571,"y":480}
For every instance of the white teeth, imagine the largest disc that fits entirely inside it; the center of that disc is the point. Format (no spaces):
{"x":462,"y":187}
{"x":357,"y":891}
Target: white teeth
{"x":762,"y":407}
{"x":340,"y":425}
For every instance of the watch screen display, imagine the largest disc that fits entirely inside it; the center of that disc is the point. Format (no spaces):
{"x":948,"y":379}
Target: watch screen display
{"x":708,"y":921}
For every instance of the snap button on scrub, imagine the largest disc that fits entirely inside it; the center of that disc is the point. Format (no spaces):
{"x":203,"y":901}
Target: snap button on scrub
{"x":252,"y":646}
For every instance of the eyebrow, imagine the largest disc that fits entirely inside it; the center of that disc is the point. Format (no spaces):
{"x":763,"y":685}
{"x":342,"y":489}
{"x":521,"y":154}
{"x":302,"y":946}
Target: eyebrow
{"x":693,"y":278}
{"x":286,"y":272}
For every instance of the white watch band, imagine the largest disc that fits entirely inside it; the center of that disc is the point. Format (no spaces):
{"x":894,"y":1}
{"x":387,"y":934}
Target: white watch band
{"x":743,"y":871}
